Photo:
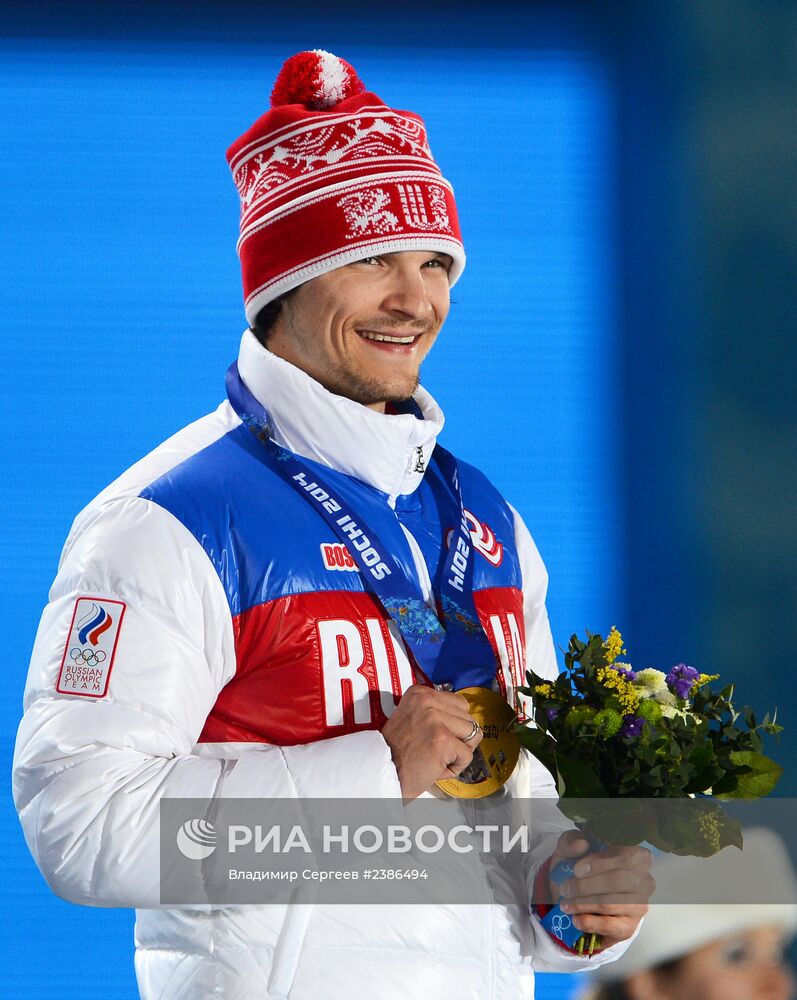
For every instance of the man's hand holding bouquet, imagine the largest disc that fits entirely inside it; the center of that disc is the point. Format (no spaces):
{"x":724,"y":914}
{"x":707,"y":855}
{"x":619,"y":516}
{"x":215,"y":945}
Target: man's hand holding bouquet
{"x":606,"y":731}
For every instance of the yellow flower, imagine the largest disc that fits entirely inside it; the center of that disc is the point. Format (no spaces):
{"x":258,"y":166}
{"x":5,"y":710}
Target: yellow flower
{"x":613,"y":644}
{"x":623,"y":690}
{"x":710,"y":828}
{"x":546,"y":690}
{"x":705,"y":678}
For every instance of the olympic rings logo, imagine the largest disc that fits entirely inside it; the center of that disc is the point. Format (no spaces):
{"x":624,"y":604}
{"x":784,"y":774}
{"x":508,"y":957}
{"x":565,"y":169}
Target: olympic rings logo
{"x":87,"y":656}
{"x":559,"y":924}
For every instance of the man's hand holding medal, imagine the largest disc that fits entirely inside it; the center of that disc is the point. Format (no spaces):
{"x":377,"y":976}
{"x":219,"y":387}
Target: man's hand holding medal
{"x":432,"y":737}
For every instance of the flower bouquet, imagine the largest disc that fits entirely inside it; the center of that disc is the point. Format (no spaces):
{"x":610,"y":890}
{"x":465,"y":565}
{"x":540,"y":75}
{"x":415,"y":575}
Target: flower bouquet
{"x":639,"y":737}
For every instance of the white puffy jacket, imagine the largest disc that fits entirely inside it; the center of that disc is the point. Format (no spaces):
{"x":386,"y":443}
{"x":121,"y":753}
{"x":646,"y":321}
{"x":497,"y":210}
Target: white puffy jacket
{"x":92,"y":762}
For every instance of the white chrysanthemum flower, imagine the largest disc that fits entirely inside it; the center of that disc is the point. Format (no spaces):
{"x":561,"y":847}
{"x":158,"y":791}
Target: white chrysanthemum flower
{"x":651,"y":680}
{"x":652,"y":684}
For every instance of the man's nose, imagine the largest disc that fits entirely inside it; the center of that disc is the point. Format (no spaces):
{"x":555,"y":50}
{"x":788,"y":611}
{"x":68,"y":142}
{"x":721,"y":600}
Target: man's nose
{"x":407,"y":294}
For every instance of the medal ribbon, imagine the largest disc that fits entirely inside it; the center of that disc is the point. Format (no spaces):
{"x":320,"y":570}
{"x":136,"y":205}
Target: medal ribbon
{"x":452,"y":649}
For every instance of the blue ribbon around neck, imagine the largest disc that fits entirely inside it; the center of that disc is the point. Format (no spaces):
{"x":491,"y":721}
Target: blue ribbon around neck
{"x":452,"y":650}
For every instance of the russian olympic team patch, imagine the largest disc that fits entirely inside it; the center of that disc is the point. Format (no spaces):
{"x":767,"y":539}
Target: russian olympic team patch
{"x":90,"y":647}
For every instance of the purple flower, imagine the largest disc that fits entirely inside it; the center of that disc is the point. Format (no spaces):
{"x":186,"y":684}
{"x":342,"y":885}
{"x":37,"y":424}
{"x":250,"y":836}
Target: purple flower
{"x":681,"y":679}
{"x":632,"y":726}
{"x":551,"y":713}
{"x":629,"y":675}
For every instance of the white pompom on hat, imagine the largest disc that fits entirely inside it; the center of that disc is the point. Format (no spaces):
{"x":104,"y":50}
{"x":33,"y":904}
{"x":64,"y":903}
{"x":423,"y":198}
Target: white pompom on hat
{"x":762,"y":871}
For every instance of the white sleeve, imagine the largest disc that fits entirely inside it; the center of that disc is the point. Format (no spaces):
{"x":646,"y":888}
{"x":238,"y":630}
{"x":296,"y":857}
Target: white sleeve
{"x":89,"y":772}
{"x":540,"y":651}
{"x":548,"y":956}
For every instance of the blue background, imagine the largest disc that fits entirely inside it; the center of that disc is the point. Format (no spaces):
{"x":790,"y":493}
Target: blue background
{"x":617,"y":357}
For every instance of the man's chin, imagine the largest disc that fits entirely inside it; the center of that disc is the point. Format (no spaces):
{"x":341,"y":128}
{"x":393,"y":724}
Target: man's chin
{"x":390,"y":395}
{"x":373,"y":393}
{"x":370,"y":385}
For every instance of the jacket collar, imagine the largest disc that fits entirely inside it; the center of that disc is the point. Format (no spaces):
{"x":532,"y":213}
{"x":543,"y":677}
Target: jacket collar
{"x":379,"y":449}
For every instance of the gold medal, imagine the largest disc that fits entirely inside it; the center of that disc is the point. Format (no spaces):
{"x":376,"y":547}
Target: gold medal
{"x":495,"y":757}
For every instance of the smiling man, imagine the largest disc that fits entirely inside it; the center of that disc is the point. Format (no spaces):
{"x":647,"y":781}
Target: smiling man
{"x":281,"y":601}
{"x":363,"y":329}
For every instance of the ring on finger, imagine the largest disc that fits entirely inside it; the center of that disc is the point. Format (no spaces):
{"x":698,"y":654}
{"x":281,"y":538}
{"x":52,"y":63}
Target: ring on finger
{"x":471,"y":735}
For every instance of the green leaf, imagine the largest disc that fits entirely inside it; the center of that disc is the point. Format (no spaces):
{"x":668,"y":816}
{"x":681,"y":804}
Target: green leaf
{"x":579,"y":779}
{"x":677,"y":831}
{"x":540,"y":745}
{"x":731,"y":833}
{"x":705,"y":779}
{"x":697,"y":827}
{"x":726,"y":787}
{"x":701,"y":756}
{"x":629,"y":821}
{"x":759,"y":777}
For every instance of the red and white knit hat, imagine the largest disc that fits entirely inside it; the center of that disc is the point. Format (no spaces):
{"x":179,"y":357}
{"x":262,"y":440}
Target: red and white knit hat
{"x":330,"y":175}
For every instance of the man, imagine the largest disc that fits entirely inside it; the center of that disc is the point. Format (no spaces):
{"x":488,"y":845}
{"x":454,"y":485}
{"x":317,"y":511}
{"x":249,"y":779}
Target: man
{"x":218,"y":628}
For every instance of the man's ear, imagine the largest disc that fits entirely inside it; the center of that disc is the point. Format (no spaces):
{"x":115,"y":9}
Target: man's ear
{"x":266,"y":320}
